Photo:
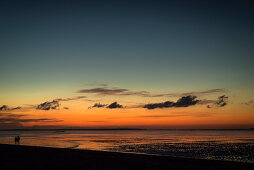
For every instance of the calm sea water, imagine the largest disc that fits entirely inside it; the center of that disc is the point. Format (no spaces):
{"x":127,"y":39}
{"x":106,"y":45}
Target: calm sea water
{"x":234,"y":145}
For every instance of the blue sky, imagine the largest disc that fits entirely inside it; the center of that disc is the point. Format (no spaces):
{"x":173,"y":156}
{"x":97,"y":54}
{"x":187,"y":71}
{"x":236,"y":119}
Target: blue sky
{"x":150,"y":45}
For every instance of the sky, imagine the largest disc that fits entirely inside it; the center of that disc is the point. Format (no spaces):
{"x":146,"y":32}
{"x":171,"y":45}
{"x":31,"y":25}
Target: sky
{"x":127,"y":64}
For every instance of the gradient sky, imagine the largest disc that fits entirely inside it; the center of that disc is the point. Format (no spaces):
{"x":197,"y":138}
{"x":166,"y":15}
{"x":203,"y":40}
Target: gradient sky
{"x":55,"y":49}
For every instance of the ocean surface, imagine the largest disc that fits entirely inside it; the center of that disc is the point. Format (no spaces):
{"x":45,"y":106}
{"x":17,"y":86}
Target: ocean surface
{"x":233,"y":145}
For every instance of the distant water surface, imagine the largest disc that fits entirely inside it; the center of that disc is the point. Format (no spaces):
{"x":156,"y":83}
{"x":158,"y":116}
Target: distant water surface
{"x":234,"y":145}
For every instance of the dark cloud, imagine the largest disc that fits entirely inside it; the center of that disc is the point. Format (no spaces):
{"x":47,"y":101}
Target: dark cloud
{"x":114,"y":105}
{"x":16,"y":108}
{"x":11,"y":115}
{"x":6,"y":108}
{"x":126,"y":92}
{"x":48,"y":105}
{"x":222,"y":101}
{"x":98,"y":105}
{"x":110,"y":106}
{"x":55,"y":104}
{"x":66,"y":108}
{"x":16,"y":120}
{"x":10,"y":120}
{"x":184,"y":101}
{"x":159,"y":105}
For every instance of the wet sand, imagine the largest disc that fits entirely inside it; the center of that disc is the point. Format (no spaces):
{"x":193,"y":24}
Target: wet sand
{"x":46,"y":158}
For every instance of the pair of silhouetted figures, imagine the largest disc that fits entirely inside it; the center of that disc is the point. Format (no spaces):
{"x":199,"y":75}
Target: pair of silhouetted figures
{"x":17,"y":139}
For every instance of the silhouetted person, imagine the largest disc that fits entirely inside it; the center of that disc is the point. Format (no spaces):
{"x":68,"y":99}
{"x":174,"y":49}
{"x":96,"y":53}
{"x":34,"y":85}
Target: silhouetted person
{"x":17,"y":139}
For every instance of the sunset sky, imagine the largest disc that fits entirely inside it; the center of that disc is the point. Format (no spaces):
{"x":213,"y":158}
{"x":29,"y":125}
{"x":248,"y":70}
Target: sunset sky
{"x":166,"y":64}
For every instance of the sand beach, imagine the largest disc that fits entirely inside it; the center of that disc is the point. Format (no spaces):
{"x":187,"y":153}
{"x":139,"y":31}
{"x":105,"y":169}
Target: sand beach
{"x":46,"y":158}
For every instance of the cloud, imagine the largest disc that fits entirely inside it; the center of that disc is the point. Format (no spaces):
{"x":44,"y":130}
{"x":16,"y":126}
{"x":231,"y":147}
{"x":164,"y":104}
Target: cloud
{"x":114,"y":105}
{"x":161,"y":116}
{"x":159,"y":105}
{"x":205,"y":101}
{"x":48,"y":105}
{"x":176,"y":115}
{"x":249,"y":103}
{"x":11,"y":115}
{"x":110,"y":106}
{"x":17,"y":120}
{"x":184,"y":101}
{"x":66,"y":108}
{"x":6,"y":108}
{"x":97,"y":84}
{"x":104,"y":91}
{"x":222,"y":101}
{"x":194,"y":93}
{"x":126,"y":92}
{"x":71,"y":98}
{"x":98,"y":105}
{"x":198,"y":93}
{"x":55,"y":104}
{"x":10,"y":120}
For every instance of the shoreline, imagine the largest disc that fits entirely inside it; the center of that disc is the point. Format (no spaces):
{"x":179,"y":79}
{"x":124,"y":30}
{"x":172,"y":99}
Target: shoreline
{"x":124,"y":129}
{"x":47,"y":158}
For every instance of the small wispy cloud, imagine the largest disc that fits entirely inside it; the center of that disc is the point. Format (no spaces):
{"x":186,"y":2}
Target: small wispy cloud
{"x":16,"y":120}
{"x":205,"y":92}
{"x":104,"y":91}
{"x":11,"y":120}
{"x":95,"y":84}
{"x":71,"y":98}
{"x":11,"y":115}
{"x":161,"y":116}
{"x":222,"y":101}
{"x":98,"y":105}
{"x":6,"y":108}
{"x":175,"y":115}
{"x":249,"y":103}
{"x":113,"y":105}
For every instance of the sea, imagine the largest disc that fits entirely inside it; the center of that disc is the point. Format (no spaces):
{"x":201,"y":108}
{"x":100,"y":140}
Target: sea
{"x":231,"y":145}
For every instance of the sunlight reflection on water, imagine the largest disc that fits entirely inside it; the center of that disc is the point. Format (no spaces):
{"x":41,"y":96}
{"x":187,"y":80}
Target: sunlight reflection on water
{"x":222,"y":145}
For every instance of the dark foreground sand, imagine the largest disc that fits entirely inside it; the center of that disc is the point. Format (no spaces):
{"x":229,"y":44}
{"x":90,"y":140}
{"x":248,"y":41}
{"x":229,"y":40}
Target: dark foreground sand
{"x":37,"y":158}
